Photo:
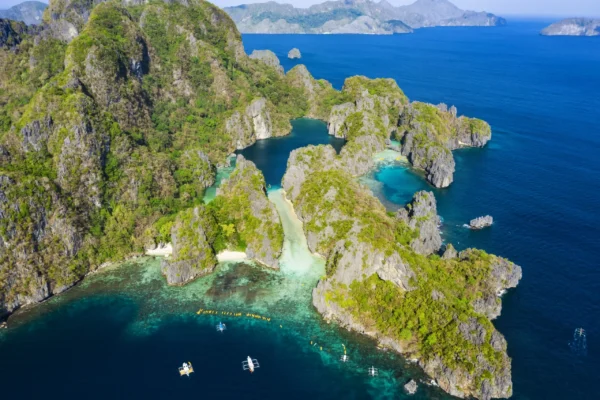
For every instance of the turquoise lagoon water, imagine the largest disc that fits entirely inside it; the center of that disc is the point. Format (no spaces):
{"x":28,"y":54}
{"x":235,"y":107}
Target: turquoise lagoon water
{"x":123,"y":332}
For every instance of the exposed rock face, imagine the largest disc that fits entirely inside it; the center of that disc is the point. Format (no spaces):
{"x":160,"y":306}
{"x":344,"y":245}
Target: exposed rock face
{"x":303,"y":162}
{"x":192,"y":236}
{"x":367,"y":122}
{"x":481,"y":222}
{"x":294,"y":53}
{"x":254,"y":123}
{"x":504,"y":275}
{"x":421,"y":214}
{"x":428,"y":134}
{"x":449,"y":252}
{"x":411,"y":387}
{"x":315,"y":91}
{"x":573,"y":27}
{"x":337,"y":118}
{"x":30,"y":221}
{"x":269,"y":58}
{"x":355,"y":17}
{"x":255,"y":217}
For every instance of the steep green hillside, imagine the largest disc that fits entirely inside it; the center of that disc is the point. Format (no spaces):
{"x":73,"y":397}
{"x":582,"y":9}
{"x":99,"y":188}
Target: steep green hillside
{"x":106,"y":135}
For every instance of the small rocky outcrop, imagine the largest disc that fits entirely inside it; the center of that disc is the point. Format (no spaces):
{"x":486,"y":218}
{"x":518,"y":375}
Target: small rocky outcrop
{"x":257,"y":121}
{"x":192,"y":236}
{"x":481,"y":222}
{"x":421,"y":215}
{"x":449,"y":252}
{"x":294,"y":54}
{"x":269,"y":58}
{"x":244,"y":201}
{"x":411,"y":387}
{"x":573,"y":27}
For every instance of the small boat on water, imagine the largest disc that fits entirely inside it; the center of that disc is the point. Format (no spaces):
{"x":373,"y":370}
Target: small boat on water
{"x":186,"y":369}
{"x":250,"y":364}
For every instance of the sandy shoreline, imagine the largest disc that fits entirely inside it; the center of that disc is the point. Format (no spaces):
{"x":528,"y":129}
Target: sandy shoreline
{"x":231,"y":256}
{"x":166,"y":250}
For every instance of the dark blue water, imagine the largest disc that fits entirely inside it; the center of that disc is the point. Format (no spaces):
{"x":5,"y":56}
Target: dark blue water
{"x":539,"y":176}
{"x":271,"y":155}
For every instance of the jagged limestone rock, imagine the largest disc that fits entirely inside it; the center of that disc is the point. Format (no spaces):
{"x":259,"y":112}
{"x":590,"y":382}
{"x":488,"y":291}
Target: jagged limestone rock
{"x":243,"y":200}
{"x":428,"y":134}
{"x":269,"y":58}
{"x":315,"y":91}
{"x":421,"y":215}
{"x":303,"y":162}
{"x":37,"y":238}
{"x":337,"y":118}
{"x":411,"y":387}
{"x":192,"y":236}
{"x":255,"y":123}
{"x":481,"y":222}
{"x":503,"y":275}
{"x":449,"y":252}
{"x":294,"y":53}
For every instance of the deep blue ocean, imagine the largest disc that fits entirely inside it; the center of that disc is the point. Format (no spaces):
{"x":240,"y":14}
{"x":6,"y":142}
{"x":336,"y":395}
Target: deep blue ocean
{"x":539,"y":178}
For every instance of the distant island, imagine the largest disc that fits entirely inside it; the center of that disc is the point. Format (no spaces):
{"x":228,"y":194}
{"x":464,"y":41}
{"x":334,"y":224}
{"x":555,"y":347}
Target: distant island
{"x":573,"y":27}
{"x":29,"y":12}
{"x":355,"y":16}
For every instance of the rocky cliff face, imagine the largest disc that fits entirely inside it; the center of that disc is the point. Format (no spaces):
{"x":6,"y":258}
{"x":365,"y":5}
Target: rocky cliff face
{"x":294,"y":53}
{"x":421,"y":215}
{"x":573,"y":27}
{"x":317,"y":92}
{"x":242,"y":199}
{"x":192,"y":237}
{"x":254,"y":123}
{"x":34,"y":226}
{"x":366,"y":121}
{"x":428,"y":134}
{"x":269,"y":58}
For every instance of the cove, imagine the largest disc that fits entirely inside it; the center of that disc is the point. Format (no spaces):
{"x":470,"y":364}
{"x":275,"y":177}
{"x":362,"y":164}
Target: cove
{"x":123,"y":332}
{"x":271,"y":155}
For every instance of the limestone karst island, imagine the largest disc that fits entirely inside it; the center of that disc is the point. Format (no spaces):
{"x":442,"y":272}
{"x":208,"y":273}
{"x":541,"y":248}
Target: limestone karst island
{"x":122,"y":125}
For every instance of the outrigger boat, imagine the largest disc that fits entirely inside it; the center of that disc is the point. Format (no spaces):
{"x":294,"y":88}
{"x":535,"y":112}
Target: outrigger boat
{"x":250,"y":364}
{"x":221,"y":327}
{"x":186,"y":369}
